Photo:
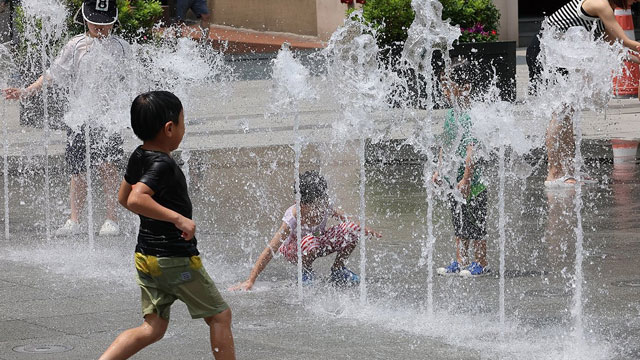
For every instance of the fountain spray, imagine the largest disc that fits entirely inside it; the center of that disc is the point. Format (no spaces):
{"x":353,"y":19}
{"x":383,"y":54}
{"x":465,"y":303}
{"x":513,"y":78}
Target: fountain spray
{"x":291,"y":87}
{"x":427,"y":33}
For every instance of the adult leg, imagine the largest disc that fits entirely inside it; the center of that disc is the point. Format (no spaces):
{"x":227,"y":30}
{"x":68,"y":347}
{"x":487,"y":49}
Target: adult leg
{"x":109,"y":175}
{"x":560,"y":147}
{"x":182,"y":6}
{"x":220,"y":334}
{"x":75,"y":160}
{"x":201,"y":8}
{"x":77,"y":195}
{"x":133,"y":340}
{"x":205,"y":23}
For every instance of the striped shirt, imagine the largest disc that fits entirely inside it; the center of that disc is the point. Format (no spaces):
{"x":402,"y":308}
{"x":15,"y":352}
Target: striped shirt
{"x":572,"y":14}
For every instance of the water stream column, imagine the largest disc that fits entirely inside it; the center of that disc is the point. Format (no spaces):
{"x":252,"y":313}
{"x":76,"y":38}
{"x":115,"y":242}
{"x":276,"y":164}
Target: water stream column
{"x":363,"y":236}
{"x":297,"y":148}
{"x":5,"y":173}
{"x":87,"y":139}
{"x":46,"y":136}
{"x":502,"y":234}
{"x":576,"y":310}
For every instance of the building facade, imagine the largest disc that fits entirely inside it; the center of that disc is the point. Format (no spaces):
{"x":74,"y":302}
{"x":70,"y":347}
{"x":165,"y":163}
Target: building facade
{"x":319,"y":18}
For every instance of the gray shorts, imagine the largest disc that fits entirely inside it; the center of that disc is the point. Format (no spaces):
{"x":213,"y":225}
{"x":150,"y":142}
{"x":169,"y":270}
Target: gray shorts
{"x":199,"y":7}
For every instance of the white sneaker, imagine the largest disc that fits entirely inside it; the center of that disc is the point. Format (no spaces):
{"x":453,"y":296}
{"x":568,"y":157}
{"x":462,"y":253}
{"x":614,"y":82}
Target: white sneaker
{"x":69,"y":228}
{"x":109,"y":228}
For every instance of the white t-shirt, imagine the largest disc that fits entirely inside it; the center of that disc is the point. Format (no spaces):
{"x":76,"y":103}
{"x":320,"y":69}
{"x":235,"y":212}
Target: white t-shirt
{"x":291,"y":221}
{"x":95,"y":73}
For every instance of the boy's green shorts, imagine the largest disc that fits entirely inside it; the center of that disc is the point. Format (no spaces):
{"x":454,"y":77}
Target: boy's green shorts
{"x":162,"y":280}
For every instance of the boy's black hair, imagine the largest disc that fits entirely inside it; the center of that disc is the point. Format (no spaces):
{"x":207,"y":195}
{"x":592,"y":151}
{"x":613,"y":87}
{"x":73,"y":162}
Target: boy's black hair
{"x":313,"y":186}
{"x":150,"y":111}
{"x":461,"y":72}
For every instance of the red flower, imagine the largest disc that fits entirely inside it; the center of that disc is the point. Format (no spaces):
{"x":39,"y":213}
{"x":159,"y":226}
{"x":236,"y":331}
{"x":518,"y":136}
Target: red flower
{"x":493,"y":32}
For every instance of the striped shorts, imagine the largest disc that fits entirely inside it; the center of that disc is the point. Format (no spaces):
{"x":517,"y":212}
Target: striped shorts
{"x":333,"y":239}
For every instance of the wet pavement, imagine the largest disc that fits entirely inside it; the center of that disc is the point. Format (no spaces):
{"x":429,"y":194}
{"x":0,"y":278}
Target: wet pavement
{"x":60,"y":294}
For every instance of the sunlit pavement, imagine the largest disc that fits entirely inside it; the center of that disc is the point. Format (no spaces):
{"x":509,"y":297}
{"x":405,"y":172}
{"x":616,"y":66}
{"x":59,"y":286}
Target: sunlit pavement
{"x":59,"y":294}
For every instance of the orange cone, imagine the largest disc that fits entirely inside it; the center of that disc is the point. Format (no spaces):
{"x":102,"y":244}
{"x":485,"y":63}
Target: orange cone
{"x":624,"y":150}
{"x":627,"y":84}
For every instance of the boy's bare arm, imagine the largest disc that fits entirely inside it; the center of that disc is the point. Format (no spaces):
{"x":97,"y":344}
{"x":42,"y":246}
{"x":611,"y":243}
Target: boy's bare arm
{"x":465,"y":184}
{"x":140,"y":201}
{"x":340,"y":215}
{"x":123,"y":194}
{"x":265,"y":257}
{"x":16,"y":94}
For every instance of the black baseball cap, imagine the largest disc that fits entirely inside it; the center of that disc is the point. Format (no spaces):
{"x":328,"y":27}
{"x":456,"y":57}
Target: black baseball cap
{"x":98,"y":12}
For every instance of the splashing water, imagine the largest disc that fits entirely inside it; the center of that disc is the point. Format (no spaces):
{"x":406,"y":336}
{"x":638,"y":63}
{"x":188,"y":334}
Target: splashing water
{"x":44,"y":22}
{"x":290,"y":88}
{"x":353,"y":70}
{"x":360,"y":82}
{"x":586,"y":85}
{"x":427,"y":33}
{"x":5,"y":168}
{"x":363,"y":87}
{"x":7,"y":64}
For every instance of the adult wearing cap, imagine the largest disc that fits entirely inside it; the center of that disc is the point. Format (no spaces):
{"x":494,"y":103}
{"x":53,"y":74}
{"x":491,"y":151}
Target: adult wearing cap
{"x":199,"y":8}
{"x":90,"y":67}
{"x":598,"y":14}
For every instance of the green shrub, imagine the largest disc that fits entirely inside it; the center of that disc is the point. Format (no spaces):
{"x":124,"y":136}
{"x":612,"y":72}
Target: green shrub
{"x":392,"y":18}
{"x":478,"y":19}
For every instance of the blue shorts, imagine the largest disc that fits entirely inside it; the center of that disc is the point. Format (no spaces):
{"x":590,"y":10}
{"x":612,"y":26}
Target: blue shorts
{"x":199,"y":7}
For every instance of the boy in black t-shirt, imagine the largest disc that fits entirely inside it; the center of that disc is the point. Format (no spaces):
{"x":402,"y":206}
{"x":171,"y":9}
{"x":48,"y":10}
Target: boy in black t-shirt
{"x":166,"y":257}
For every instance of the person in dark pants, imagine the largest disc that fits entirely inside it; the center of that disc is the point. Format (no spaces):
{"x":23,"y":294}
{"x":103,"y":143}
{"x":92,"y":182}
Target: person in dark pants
{"x":199,"y":8}
{"x":72,"y":69}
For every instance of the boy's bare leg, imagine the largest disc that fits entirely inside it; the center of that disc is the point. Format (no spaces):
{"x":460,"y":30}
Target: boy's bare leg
{"x":462,"y":247}
{"x":109,"y":175}
{"x":133,"y":340}
{"x":560,"y":147}
{"x":221,"y":336}
{"x":343,"y":255}
{"x":77,"y":194}
{"x":480,"y":251}
{"x":309,"y":258}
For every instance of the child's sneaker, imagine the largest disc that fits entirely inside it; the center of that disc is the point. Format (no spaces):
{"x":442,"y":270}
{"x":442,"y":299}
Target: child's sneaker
{"x":453,"y":268}
{"x":307,"y":277}
{"x":69,"y":228}
{"x":475,"y":269}
{"x":109,"y":228}
{"x":343,"y":276}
